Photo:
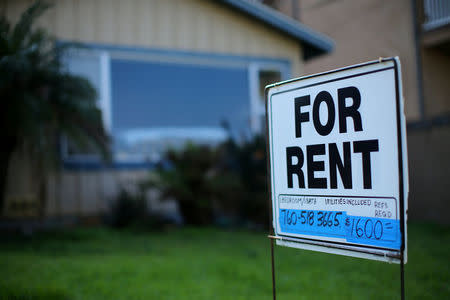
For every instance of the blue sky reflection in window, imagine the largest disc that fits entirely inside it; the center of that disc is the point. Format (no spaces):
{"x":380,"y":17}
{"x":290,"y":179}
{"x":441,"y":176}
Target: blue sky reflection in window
{"x":156,"y":105}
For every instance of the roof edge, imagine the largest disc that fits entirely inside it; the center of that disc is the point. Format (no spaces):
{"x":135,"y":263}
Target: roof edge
{"x":315,"y":43}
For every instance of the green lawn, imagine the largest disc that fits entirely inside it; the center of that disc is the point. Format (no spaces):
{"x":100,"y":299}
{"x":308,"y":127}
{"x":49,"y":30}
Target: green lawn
{"x":209,"y":263}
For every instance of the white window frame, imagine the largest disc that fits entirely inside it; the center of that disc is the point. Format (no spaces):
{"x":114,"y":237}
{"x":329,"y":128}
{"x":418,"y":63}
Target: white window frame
{"x":257,"y":106}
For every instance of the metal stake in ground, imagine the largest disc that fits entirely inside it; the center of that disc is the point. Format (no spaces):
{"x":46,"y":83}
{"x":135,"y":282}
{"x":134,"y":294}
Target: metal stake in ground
{"x":274,"y":294}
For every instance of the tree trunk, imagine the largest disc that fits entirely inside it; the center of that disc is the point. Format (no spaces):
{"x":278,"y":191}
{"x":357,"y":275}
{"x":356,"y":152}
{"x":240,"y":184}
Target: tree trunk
{"x":40,"y":173}
{"x":5,"y":157}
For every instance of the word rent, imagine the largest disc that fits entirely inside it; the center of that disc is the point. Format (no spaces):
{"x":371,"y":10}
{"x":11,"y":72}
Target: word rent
{"x":304,"y":162}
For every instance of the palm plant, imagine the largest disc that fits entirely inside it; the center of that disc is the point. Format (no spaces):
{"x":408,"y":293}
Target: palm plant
{"x":40,"y":100}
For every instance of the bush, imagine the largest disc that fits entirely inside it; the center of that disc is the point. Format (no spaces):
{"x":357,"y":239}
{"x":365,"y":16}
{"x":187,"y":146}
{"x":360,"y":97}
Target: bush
{"x":188,"y":179}
{"x":127,"y":209}
{"x":228,"y":181}
{"x":248,"y":163}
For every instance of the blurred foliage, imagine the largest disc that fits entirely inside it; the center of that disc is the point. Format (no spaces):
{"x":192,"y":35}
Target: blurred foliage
{"x":189,"y":179}
{"x":130,"y":210}
{"x":247,"y":162}
{"x":126,"y":209}
{"x":225,"y":184}
{"x":40,"y":100}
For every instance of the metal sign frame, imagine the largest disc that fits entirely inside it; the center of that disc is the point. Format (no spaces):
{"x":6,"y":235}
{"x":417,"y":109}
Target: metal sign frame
{"x":352,"y":249}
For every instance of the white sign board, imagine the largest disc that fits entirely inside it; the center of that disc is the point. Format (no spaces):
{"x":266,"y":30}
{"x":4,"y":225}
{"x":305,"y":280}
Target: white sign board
{"x":338,"y":164}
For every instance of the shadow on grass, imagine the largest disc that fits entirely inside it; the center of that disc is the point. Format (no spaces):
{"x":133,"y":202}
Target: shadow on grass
{"x":48,"y":294}
{"x":99,"y":240}
{"x":53,"y":242}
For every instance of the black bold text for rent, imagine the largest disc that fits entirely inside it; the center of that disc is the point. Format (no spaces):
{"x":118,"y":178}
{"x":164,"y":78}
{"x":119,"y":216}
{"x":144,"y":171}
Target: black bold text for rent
{"x":304,"y":162}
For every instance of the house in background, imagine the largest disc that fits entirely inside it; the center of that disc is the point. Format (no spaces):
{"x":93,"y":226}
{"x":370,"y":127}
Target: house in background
{"x":418,"y":31}
{"x":166,"y":72}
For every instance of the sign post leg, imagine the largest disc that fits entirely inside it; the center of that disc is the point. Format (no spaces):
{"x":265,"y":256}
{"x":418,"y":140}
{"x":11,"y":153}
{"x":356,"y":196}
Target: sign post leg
{"x":273,"y":270}
{"x":402,"y":277}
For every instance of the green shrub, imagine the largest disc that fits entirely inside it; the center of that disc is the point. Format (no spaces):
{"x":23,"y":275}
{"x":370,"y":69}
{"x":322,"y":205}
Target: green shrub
{"x":188,"y":180}
{"x":247,"y":162}
{"x":126,"y":209}
{"x":227,"y":181}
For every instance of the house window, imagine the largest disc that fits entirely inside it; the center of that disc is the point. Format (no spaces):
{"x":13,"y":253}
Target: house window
{"x":153,"y":100}
{"x":161,"y":105}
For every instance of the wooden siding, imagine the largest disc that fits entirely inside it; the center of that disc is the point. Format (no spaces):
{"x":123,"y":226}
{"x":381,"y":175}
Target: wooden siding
{"x":88,"y":193}
{"x":191,"y":25}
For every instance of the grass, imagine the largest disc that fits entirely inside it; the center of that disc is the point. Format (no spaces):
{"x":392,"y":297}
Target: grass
{"x":209,"y":263}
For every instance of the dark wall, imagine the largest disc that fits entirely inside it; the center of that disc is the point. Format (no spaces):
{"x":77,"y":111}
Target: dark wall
{"x":429,"y":174}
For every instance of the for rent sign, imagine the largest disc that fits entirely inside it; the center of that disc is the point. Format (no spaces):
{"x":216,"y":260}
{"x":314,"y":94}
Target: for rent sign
{"x":338,"y":161}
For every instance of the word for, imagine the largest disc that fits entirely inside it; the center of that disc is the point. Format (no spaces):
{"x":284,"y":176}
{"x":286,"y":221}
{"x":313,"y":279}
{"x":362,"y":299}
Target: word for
{"x":326,"y":98}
